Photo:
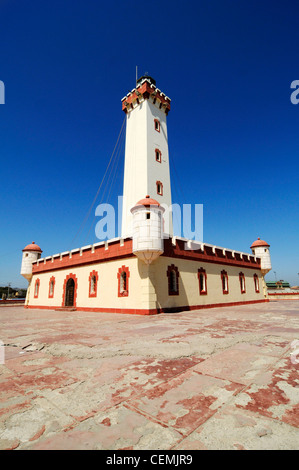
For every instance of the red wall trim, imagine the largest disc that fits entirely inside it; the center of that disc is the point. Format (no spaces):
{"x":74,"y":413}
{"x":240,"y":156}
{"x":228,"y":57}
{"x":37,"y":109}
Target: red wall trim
{"x":123,"y":293}
{"x":100,"y":255}
{"x":115,"y":251}
{"x":286,"y":293}
{"x":12,"y":302}
{"x":36,"y":288}
{"x":95,"y":274}
{"x":207,"y":256}
{"x":70,"y":276}
{"x":146,"y":90}
{"x":51,"y":295}
{"x":155,"y":311}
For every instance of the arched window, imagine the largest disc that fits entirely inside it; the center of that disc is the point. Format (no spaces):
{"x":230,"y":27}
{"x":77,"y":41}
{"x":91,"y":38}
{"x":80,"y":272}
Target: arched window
{"x":224,"y":282}
{"x":36,"y":288}
{"x":202,"y":278}
{"x":123,"y":281}
{"x":242,"y":283}
{"x":158,"y":155}
{"x":51,"y":287}
{"x":159,"y":188}
{"x":256,"y":283}
{"x":157,"y":125}
{"x":173,"y":280}
{"x":93,"y":284}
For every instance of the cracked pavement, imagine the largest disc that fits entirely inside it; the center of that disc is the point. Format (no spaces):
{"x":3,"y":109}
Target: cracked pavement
{"x":222,"y":378}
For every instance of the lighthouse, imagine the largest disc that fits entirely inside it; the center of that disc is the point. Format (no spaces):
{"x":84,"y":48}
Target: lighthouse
{"x":146,"y":152}
{"x":146,"y":270}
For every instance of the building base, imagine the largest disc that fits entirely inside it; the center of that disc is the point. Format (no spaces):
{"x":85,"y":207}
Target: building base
{"x":146,"y":311}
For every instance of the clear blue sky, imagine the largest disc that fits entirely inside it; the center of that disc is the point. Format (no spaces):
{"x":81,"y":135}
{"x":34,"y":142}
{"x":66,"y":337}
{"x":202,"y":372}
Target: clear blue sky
{"x":233,"y":131}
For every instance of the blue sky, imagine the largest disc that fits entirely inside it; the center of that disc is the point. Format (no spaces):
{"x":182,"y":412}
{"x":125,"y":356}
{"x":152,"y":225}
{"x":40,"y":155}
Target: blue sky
{"x":233,"y":132}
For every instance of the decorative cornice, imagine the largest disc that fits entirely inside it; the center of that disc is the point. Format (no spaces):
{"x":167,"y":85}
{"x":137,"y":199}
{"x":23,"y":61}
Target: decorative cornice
{"x":209,"y":254}
{"x":143,"y":92}
{"x":88,"y":255}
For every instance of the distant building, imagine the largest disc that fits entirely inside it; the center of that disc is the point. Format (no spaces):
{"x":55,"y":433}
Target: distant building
{"x":278,"y":285}
{"x":281,"y":290}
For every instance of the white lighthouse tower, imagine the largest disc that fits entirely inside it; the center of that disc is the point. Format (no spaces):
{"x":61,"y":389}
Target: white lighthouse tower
{"x":260,"y":249}
{"x":31,"y":253}
{"x":147,"y":230}
{"x":146,"y":153}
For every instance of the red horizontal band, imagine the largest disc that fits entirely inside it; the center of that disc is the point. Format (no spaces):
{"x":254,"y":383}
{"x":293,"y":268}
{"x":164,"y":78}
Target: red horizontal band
{"x":150,"y":311}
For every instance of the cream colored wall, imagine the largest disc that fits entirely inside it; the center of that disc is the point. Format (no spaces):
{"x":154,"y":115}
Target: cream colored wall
{"x":107,"y":289}
{"x":148,"y":285}
{"x":189,"y":284}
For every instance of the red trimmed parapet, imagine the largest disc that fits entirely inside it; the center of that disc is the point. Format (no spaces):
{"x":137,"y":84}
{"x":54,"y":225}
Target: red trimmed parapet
{"x":208,"y":255}
{"x":144,"y":91}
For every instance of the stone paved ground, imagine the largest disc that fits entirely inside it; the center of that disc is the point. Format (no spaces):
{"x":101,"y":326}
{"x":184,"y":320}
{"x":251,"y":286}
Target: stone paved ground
{"x":220,"y":378}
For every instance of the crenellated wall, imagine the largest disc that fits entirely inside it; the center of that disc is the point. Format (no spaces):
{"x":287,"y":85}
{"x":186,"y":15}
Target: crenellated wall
{"x":148,"y":286}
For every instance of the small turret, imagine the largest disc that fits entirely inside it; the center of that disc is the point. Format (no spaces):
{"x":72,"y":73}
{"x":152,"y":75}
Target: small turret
{"x":31,"y":253}
{"x":260,"y":249}
{"x":147,"y":229}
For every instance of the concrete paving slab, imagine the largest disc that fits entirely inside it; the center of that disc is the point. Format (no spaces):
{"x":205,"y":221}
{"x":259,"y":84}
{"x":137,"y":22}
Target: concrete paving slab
{"x":275,"y":394}
{"x":237,"y":364}
{"x":235,"y":429}
{"x":186,"y":401}
{"x":82,"y":380}
{"x":119,"y":428}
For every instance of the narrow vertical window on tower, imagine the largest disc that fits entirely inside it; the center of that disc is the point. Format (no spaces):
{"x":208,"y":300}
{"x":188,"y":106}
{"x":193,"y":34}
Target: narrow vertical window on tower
{"x":256,"y":283}
{"x":159,"y":188}
{"x":36,"y":288}
{"x":224,"y":282}
{"x":242,"y":283}
{"x":157,"y":125}
{"x":173,"y":280}
{"x":51,"y":287}
{"x":93,"y":284}
{"x":202,"y":277}
{"x":123,"y":281}
{"x":158,"y":155}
